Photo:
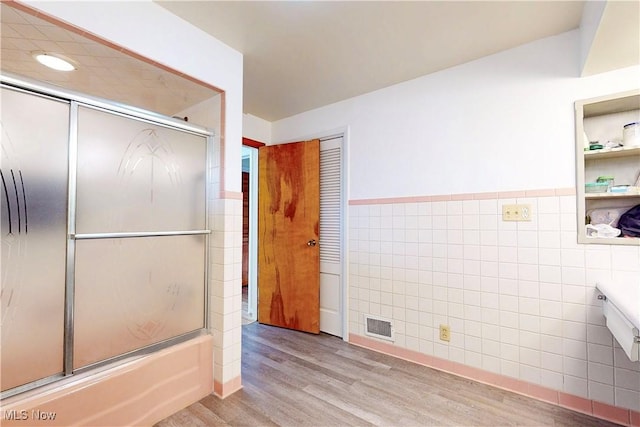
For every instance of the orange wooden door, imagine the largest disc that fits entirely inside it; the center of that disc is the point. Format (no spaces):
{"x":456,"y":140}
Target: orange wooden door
{"x":288,"y":220}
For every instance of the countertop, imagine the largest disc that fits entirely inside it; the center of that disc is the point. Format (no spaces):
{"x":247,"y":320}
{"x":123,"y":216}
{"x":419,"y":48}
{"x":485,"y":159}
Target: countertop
{"x":625,"y":296}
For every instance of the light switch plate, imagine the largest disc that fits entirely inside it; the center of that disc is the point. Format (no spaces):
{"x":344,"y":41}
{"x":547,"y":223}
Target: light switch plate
{"x":516,"y":212}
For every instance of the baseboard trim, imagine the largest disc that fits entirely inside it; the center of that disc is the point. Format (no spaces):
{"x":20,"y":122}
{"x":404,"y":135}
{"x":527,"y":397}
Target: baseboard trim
{"x":223,"y":390}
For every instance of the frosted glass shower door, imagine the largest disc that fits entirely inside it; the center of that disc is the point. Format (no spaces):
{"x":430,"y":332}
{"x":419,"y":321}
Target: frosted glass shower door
{"x":34,"y":132}
{"x":140,"y":255}
{"x":131,"y":293}
{"x":134,"y":176}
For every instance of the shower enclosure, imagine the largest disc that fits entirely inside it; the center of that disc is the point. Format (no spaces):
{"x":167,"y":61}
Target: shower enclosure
{"x":103,"y":233}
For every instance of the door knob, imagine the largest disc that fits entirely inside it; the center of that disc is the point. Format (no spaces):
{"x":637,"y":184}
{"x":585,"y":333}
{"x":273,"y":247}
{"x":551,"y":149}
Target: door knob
{"x":311,"y":242}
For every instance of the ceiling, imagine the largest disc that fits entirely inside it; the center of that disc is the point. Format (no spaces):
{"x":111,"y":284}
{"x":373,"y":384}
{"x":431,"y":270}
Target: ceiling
{"x":300,"y":55}
{"x":617,"y":42}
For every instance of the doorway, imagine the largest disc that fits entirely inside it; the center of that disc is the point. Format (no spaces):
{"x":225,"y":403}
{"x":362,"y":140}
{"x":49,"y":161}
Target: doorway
{"x":332,"y":208}
{"x":249,"y":234}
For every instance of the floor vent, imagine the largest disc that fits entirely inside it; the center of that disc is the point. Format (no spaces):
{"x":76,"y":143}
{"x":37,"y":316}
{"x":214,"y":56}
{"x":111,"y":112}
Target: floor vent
{"x":378,"y":327}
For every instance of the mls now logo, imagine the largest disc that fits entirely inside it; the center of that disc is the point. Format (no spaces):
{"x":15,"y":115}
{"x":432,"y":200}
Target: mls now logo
{"x":15,"y":415}
{"x":23,"y":415}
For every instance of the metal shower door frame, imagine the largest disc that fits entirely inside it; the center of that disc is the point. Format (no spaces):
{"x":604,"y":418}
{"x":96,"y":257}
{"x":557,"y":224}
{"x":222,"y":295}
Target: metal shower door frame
{"x":76,"y":100}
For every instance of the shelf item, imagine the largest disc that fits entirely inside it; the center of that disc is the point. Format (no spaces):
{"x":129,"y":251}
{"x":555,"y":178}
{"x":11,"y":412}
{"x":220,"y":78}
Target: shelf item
{"x":607,"y":216}
{"x":596,"y":187}
{"x":602,"y":230}
{"x":611,"y":120}
{"x":631,"y":134}
{"x":620,"y":189}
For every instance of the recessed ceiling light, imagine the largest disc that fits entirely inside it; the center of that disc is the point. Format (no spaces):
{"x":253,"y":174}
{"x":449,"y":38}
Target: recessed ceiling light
{"x":54,"y":61}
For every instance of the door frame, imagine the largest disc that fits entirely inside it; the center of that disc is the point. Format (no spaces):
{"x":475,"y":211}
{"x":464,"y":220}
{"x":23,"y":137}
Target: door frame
{"x":250,"y":151}
{"x":253,"y":146}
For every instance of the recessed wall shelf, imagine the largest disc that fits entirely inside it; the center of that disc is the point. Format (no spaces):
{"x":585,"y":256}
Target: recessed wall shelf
{"x":602,"y":119}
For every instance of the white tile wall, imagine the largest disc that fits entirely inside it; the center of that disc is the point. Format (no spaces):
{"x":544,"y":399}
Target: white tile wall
{"x":225,"y":268}
{"x":519,"y":297}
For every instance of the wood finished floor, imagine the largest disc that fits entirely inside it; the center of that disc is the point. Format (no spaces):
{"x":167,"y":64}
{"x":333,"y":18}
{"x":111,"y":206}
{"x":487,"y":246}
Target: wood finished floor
{"x":296,"y":379}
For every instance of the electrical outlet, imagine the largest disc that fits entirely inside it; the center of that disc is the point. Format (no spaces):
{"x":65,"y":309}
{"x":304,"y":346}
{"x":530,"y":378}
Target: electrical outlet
{"x":445,"y":333}
{"x":516,"y":212}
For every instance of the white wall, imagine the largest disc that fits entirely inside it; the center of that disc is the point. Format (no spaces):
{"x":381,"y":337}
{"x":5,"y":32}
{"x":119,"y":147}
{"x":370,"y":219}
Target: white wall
{"x":207,"y":113}
{"x":519,"y":297}
{"x":504,"y":122}
{"x":591,"y":17}
{"x":256,"y":128}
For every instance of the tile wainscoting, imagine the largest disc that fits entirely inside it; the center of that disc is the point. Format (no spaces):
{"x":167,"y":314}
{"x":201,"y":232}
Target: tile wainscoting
{"x":225,"y":290}
{"x":519,"y":297}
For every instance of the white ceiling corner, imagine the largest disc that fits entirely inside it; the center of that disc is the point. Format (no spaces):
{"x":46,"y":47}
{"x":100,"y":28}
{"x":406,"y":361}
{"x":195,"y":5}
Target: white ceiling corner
{"x":616,"y":40}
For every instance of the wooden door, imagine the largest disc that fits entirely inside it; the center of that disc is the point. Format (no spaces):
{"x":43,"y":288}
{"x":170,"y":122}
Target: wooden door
{"x":288,"y":221}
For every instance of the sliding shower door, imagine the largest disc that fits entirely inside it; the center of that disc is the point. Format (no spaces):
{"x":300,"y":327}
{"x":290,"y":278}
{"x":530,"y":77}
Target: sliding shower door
{"x":103,"y":233}
{"x":35,"y":131}
{"x":140,"y":246}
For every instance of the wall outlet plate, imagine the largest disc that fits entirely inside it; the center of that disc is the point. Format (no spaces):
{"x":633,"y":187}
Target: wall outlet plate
{"x":445,"y":333}
{"x":516,"y":212}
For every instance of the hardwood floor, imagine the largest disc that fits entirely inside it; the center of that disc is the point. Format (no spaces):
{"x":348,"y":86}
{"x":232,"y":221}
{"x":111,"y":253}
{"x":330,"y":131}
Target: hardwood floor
{"x":297,"y":379}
